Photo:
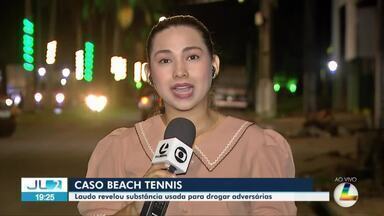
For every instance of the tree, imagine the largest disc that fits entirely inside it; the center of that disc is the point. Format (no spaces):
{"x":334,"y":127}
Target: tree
{"x":309,"y":57}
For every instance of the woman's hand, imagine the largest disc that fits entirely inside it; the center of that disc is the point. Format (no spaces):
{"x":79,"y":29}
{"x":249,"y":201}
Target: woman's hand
{"x":159,"y":171}
{"x":155,"y":171}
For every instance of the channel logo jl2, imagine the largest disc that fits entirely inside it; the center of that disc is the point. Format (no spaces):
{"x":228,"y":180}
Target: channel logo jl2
{"x":49,"y":185}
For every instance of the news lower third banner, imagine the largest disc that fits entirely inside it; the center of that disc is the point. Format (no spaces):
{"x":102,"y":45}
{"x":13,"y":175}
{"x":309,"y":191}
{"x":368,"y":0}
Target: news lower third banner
{"x":169,"y":189}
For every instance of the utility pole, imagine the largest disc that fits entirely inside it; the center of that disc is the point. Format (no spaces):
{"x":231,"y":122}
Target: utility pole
{"x":351,"y":55}
{"x":337,"y":78}
{"x":265,"y":96}
{"x":379,"y":70}
{"x":309,"y":57}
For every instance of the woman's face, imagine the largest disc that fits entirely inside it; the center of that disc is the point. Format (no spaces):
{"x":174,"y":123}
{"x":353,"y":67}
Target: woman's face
{"x":181,"y":67}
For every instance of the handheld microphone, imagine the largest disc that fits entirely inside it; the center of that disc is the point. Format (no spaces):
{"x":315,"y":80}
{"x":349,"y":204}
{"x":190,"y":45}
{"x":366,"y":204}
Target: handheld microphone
{"x":176,"y":151}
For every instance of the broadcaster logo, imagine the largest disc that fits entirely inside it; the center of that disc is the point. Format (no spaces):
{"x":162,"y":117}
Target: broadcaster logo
{"x":345,"y":194}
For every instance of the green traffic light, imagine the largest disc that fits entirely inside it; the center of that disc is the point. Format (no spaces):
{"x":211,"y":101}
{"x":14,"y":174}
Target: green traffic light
{"x":139,"y":85}
{"x":276,"y":87}
{"x":292,"y":88}
{"x":292,"y":85}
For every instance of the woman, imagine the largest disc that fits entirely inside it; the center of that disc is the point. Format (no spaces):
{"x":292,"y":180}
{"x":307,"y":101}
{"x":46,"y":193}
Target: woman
{"x":182,"y":65}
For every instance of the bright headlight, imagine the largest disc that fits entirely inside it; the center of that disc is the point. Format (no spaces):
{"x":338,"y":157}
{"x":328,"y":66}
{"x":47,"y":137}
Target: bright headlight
{"x":96,"y":103}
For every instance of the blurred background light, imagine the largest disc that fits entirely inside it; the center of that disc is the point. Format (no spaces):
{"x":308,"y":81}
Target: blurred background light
{"x":38,"y":97}
{"x":60,"y":97}
{"x":96,"y":103}
{"x":41,"y":71}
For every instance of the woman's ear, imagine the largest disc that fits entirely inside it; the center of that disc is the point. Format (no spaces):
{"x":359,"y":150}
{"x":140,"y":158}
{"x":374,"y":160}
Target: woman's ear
{"x":216,"y":64}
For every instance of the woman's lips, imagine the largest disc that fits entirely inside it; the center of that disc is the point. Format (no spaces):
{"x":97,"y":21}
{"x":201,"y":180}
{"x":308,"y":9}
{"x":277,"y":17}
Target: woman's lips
{"x":182,"y":90}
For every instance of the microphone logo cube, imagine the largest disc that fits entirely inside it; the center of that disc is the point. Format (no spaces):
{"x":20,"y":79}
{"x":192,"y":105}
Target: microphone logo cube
{"x":174,"y":152}
{"x":180,"y":154}
{"x":163,"y":148}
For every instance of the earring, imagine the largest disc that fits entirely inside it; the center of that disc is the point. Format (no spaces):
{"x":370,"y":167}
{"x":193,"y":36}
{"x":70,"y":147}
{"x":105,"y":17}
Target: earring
{"x":214,"y":74}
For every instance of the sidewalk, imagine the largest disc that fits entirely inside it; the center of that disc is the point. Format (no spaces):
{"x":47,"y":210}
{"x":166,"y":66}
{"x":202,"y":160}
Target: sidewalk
{"x":325,"y":158}
{"x":291,"y":125}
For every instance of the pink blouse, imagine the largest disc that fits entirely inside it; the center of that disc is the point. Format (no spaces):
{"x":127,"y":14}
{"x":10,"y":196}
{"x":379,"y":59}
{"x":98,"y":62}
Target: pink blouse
{"x":234,"y":149}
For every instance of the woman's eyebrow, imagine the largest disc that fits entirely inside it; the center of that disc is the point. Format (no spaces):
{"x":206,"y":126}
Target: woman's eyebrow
{"x":184,"y":50}
{"x":192,"y":48}
{"x":162,"y":51}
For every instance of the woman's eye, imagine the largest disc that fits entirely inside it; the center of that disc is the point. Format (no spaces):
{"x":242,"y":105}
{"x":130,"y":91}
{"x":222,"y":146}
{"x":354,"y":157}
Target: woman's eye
{"x":164,"y":61}
{"x":193,"y":57}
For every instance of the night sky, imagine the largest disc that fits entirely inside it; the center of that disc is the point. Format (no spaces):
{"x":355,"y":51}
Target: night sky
{"x":231,"y":23}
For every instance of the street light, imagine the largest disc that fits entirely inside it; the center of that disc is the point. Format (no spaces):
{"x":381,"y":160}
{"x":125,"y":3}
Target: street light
{"x":8,"y":102}
{"x":41,"y":72}
{"x":332,"y":66}
{"x":65,"y":72}
{"x":38,"y":97}
{"x":17,"y":100}
{"x":63,"y":81}
{"x":59,"y":98}
{"x":96,"y":103}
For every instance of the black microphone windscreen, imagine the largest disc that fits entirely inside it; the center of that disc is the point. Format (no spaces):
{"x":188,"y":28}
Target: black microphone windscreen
{"x":183,"y":129}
